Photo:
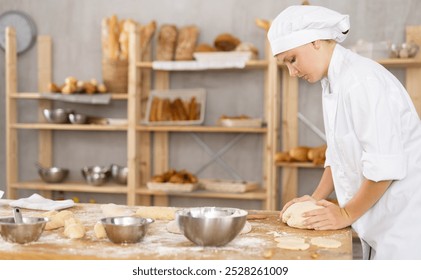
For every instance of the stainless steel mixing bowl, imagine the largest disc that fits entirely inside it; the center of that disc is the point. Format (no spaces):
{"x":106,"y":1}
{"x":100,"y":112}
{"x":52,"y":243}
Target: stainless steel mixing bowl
{"x":78,"y":118}
{"x":53,"y":174}
{"x":28,"y":231}
{"x":58,"y":115}
{"x":96,"y":175}
{"x":126,"y":229}
{"x":211,"y":226}
{"x":119,"y":174}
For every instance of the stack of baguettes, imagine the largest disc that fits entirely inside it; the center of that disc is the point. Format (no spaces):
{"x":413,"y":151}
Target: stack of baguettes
{"x":163,"y":109}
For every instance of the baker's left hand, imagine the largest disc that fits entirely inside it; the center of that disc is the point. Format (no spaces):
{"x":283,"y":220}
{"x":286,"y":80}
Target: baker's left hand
{"x":330,"y":217}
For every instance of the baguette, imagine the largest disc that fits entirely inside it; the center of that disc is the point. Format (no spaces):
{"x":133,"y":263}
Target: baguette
{"x":192,"y":109}
{"x":154,"y":110}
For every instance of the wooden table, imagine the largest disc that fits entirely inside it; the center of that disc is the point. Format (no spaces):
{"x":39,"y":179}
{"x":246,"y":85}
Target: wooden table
{"x":158,"y":243}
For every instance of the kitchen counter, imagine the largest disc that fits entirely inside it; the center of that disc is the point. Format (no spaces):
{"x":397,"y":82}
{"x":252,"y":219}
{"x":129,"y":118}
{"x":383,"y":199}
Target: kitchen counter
{"x":159,"y":243}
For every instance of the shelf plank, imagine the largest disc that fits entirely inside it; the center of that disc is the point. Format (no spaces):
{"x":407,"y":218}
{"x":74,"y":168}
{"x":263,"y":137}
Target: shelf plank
{"x":88,"y":127}
{"x":69,"y":187}
{"x":252,"y":64}
{"x":36,"y":95}
{"x":203,"y":129}
{"x":256,"y":195}
{"x":299,"y":165}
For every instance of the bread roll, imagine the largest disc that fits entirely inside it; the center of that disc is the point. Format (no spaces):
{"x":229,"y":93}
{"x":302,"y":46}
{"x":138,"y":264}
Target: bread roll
{"x":299,"y":154}
{"x":226,"y":42}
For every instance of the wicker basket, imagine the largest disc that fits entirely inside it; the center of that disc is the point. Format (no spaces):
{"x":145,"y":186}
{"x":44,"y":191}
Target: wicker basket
{"x":115,"y":75}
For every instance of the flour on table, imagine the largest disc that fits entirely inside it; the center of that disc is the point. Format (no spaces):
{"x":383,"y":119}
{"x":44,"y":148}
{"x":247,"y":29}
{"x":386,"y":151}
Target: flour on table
{"x":325,"y":242}
{"x":157,"y":212}
{"x":293,"y":216}
{"x":114,"y":210}
{"x":173,"y":228}
{"x":292,"y":243}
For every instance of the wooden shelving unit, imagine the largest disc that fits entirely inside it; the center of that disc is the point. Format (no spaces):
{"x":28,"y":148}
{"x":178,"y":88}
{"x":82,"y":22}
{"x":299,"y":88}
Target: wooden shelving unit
{"x":140,"y":149}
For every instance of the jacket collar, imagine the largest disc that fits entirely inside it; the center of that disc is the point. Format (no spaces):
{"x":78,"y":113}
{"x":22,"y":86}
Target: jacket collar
{"x":335,"y":65}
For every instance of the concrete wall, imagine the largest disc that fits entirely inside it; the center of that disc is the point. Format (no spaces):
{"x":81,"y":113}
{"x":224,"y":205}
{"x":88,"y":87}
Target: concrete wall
{"x":74,"y":26}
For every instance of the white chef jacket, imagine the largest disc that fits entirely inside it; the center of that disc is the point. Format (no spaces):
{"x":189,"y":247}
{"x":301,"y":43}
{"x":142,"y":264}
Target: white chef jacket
{"x":373,"y":131}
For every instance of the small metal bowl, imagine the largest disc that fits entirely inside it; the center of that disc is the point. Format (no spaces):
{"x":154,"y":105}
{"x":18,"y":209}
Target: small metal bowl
{"x":126,"y":229}
{"x":57,"y":115}
{"x":28,"y":231}
{"x":53,"y":174}
{"x":78,"y":118}
{"x":211,"y":226}
{"x":119,"y":174}
{"x":96,"y":175}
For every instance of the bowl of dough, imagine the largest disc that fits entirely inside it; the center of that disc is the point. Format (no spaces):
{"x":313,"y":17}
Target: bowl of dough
{"x":25,"y":231}
{"x":126,"y":229}
{"x":211,"y":226}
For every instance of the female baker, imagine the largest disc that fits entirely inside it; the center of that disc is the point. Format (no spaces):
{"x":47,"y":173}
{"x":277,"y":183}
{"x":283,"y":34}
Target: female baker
{"x":373,"y":132}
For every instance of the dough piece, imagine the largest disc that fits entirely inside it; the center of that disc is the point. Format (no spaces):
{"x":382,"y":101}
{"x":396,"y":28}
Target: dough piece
{"x":325,"y":242}
{"x":173,"y":228}
{"x":57,"y":220}
{"x":293,"y":216}
{"x":157,"y":213}
{"x":74,"y":229}
{"x":186,"y":42}
{"x":99,"y":230}
{"x":114,"y":210}
{"x":292,"y":243}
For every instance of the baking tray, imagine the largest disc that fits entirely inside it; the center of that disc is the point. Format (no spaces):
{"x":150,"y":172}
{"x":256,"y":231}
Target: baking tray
{"x":240,"y":122}
{"x":171,"y":187}
{"x":185,"y":95}
{"x":228,"y":186}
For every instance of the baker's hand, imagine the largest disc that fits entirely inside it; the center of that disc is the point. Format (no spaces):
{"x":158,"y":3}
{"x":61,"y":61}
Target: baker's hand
{"x":330,"y":217}
{"x":295,"y":200}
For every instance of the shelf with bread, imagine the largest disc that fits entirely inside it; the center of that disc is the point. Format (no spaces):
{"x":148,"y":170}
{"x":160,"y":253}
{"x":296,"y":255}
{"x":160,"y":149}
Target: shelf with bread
{"x":290,"y":96}
{"x":157,"y":147}
{"x":140,"y":148}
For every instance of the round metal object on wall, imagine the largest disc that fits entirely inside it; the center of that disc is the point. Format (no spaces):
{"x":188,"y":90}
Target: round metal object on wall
{"x":24,"y":26}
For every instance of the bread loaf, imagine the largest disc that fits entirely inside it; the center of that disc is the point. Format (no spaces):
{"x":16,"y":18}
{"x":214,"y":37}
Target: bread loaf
{"x":167,"y":40}
{"x":299,"y":154}
{"x":226,"y":42}
{"x":186,"y":42}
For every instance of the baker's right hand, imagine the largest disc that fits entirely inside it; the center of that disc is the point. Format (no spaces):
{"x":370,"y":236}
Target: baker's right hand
{"x":295,"y":200}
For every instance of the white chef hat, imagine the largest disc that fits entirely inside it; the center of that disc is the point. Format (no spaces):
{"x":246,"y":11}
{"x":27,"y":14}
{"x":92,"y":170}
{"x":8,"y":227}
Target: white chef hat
{"x":298,"y":25}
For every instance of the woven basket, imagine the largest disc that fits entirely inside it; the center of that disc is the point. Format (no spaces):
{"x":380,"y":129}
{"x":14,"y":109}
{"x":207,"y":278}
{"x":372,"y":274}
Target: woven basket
{"x":115,"y":75}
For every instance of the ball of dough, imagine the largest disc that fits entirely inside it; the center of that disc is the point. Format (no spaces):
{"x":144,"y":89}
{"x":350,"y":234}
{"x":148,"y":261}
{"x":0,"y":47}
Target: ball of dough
{"x":293,"y":216}
{"x":99,"y":230}
{"x":74,"y":229}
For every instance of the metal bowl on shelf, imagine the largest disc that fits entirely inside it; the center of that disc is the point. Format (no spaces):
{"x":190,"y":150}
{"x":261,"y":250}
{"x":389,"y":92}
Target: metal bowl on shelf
{"x":78,"y":118}
{"x":96,"y":175}
{"x":119,"y":174}
{"x":58,"y":115}
{"x":126,"y":229}
{"x":211,"y":226}
{"x":29,"y":230}
{"x":52,"y":174}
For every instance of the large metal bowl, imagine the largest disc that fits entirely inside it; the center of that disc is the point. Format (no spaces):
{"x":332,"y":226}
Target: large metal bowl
{"x":28,"y":231}
{"x":96,"y":175}
{"x":211,"y":226}
{"x":57,"y":115}
{"x":126,"y":229}
{"x":78,"y":118}
{"x":119,"y":174}
{"x":53,"y":174}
